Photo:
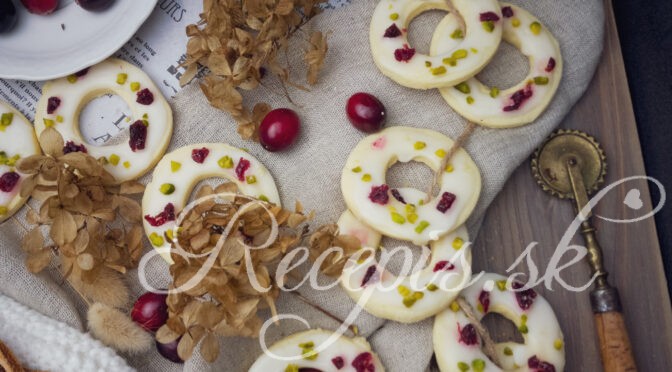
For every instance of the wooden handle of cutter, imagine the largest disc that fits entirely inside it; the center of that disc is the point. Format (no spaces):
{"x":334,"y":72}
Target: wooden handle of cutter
{"x":614,"y":342}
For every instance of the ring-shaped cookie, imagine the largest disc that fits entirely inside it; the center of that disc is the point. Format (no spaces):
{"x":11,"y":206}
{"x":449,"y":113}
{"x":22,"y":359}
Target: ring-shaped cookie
{"x":457,"y":344}
{"x":343,"y":354}
{"x":371,"y":200}
{"x":17,"y":141}
{"x":152,"y":119}
{"x":412,"y":298}
{"x":469,"y":55}
{"x":525,"y":101}
{"x":177,"y":174}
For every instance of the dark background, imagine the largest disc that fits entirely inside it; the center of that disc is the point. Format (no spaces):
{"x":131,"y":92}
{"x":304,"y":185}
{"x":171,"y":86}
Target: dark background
{"x":645,"y":31}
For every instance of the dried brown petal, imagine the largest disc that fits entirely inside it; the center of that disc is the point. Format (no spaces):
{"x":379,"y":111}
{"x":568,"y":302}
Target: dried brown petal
{"x":33,"y":241}
{"x":51,"y":142}
{"x":210,"y":348}
{"x":63,"y":230}
{"x":38,"y":261}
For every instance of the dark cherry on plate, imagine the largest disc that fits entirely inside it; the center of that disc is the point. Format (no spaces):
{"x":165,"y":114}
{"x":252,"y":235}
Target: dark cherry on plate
{"x":8,"y":15}
{"x":150,"y":311}
{"x":169,"y":351}
{"x":94,"y":5}
{"x":41,"y":7}
{"x":366,"y":112}
{"x":279,"y":129}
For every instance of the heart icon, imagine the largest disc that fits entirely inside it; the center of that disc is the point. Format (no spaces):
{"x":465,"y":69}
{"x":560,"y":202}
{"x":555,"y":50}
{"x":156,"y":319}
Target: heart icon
{"x":633,"y":199}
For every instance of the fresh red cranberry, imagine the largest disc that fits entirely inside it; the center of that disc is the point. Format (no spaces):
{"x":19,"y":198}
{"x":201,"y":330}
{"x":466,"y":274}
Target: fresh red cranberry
{"x":169,"y":351}
{"x":150,"y":311}
{"x":507,"y":12}
{"x":379,"y":194}
{"x":41,"y":7}
{"x":551,"y":65}
{"x":397,"y":195}
{"x":338,"y":362}
{"x":241,"y":168}
{"x":518,"y":98}
{"x":364,"y":363}
{"x":279,"y":129}
{"x":52,"y":104}
{"x":145,"y":97}
{"x":8,"y":181}
{"x":95,"y":5}
{"x":447,"y":200}
{"x":468,"y":335}
{"x":8,"y":16}
{"x":73,"y":147}
{"x":404,"y":54}
{"x":199,"y":155}
{"x":392,"y":31}
{"x":484,"y":300}
{"x":537,"y":365}
{"x":525,"y":297}
{"x":368,"y":275}
{"x":138,"y":136}
{"x":167,"y":215}
{"x":366,"y":112}
{"x":443,"y":265}
{"x":489,"y":17}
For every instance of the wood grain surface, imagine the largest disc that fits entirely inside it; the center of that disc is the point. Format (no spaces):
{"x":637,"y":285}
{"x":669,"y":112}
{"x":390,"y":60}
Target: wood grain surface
{"x":523,"y":213}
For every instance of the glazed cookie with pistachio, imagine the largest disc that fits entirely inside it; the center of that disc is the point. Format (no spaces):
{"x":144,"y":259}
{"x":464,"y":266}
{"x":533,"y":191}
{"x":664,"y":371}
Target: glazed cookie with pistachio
{"x":177,"y":174}
{"x":525,"y":101}
{"x":318,"y":350}
{"x":412,"y":298}
{"x":458,"y":346}
{"x":470,"y":53}
{"x":17,"y":141}
{"x":152,"y":119}
{"x":391,"y":212}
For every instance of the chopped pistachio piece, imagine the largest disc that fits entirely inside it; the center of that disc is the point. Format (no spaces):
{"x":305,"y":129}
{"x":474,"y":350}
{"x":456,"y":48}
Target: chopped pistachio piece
{"x":169,"y":235}
{"x":515,"y":22}
{"x":462,"y":366}
{"x":450,"y":168}
{"x":366,"y":178}
{"x":156,"y":239}
{"x":432,"y":287}
{"x":356,"y":169}
{"x":470,"y":100}
{"x":541,"y":80}
{"x":175,"y":166}
{"x":450,"y":61}
{"x":251,"y":179}
{"x":428,"y":64}
{"x":48,"y":123}
{"x":127,"y":164}
{"x":3,"y":210}
{"x":121,"y":78}
{"x":167,"y":188}
{"x":457,"y":34}
{"x":501,"y":285}
{"x":458,"y":243}
{"x":508,"y":351}
{"x":419,"y":145}
{"x":225,"y":162}
{"x":412,"y":217}
{"x":59,"y":119}
{"x":409,"y":301}
{"x":439,"y":70}
{"x":292,"y":368}
{"x":440,"y":153}
{"x":403,"y":290}
{"x":558,"y":344}
{"x":397,"y":218}
{"x":523,"y":329}
{"x":535,"y":27}
{"x":418,"y":295}
{"x":463,"y":87}
{"x":263,"y":197}
{"x":6,"y":119}
{"x":460,"y":54}
{"x":394,"y":16}
{"x":72,"y":79}
{"x":474,"y":50}
{"x":114,"y":159}
{"x":421,"y":227}
{"x":454,"y":306}
{"x":488,"y":26}
{"x":494,"y":92}
{"x":478,"y":365}
{"x":135,"y":86}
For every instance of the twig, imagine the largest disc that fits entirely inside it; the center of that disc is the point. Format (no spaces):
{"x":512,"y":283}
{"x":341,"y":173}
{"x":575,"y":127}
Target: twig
{"x":353,"y":328}
{"x":488,"y":343}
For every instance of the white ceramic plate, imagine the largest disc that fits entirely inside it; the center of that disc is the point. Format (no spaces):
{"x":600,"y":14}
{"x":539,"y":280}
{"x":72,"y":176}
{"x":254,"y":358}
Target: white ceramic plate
{"x":68,"y":40}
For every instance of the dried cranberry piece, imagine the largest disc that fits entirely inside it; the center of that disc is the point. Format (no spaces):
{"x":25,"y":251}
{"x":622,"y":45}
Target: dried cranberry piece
{"x":364,"y":363}
{"x":199,"y":155}
{"x":338,"y":362}
{"x":519,"y":98}
{"x":489,"y":16}
{"x":138,"y":138}
{"x":168,"y":214}
{"x":525,"y":297}
{"x":397,"y":195}
{"x":369,"y":274}
{"x":52,"y":104}
{"x":443,"y":265}
{"x":447,"y":200}
{"x":484,"y":300}
{"x":551,"y":65}
{"x":539,"y":366}
{"x":404,"y":54}
{"x":8,"y":181}
{"x":145,"y":97}
{"x":73,"y":147}
{"x":507,"y":12}
{"x":468,"y":335}
{"x":309,"y":369}
{"x":81,"y":73}
{"x":392,"y":31}
{"x":379,"y":194}
{"x":241,"y":168}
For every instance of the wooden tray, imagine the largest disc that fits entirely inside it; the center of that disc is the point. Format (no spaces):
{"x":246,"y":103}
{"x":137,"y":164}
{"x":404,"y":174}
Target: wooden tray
{"x":523,"y":213}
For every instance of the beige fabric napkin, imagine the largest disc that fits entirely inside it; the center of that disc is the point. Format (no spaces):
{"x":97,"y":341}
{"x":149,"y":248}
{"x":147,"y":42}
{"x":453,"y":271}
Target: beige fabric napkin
{"x":310,"y":171}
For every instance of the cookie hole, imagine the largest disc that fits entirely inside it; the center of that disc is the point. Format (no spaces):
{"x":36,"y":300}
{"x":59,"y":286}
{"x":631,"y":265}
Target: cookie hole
{"x":412,"y":174}
{"x":397,"y":261}
{"x":508,"y":67}
{"x":501,"y":329}
{"x":422,"y":28}
{"x":105,"y":120}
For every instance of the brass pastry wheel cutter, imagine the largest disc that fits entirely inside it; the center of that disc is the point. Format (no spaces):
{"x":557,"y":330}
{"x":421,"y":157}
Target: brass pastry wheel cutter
{"x":571,"y":165}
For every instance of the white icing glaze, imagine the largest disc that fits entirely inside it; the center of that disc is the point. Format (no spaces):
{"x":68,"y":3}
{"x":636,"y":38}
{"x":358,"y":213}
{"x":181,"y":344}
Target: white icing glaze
{"x":348,"y":224}
{"x":386,"y":294}
{"x":539,"y":48}
{"x":371,"y":158}
{"x":544,"y":338}
{"x":342,"y":347}
{"x":18,"y":138}
{"x":185,"y":177}
{"x":99,"y":80}
{"x":478,"y":45}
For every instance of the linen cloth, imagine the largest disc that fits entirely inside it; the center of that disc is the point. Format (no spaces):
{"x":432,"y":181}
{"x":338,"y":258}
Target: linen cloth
{"x":310,"y":171}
